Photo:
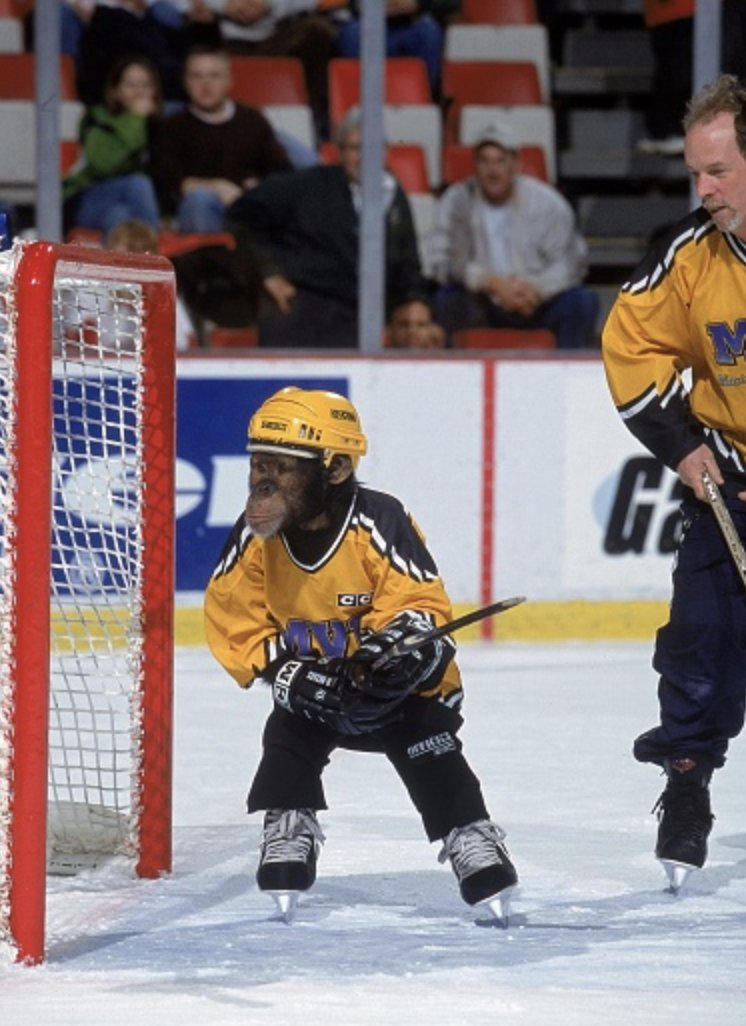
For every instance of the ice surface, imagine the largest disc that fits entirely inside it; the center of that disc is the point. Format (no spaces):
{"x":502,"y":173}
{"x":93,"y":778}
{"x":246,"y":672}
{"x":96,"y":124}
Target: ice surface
{"x":383,"y":938}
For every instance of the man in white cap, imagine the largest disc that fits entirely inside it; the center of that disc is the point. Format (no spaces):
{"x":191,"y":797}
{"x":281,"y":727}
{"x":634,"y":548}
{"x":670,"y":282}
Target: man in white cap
{"x":506,"y":251}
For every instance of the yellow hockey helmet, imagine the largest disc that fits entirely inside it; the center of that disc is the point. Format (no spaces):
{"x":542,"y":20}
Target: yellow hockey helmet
{"x":307,"y":423}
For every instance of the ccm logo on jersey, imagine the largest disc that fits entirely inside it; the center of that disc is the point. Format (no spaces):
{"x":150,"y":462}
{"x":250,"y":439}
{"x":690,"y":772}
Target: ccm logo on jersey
{"x":347,"y":601}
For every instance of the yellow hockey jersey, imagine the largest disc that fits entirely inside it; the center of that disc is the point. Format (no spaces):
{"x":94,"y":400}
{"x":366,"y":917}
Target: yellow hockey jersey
{"x":262,"y":599}
{"x":673,"y":347}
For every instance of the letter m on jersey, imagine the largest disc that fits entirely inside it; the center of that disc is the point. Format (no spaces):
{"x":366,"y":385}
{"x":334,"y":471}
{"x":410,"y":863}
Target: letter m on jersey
{"x":728,"y":345}
{"x":304,"y":637}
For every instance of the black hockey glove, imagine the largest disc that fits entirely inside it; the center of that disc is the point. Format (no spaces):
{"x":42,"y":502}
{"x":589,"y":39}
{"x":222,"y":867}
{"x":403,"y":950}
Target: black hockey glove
{"x":322,"y":690}
{"x":382,"y":677}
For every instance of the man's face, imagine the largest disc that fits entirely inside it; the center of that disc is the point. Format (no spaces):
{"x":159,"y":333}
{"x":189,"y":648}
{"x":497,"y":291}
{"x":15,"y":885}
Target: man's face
{"x":412,"y":327}
{"x":349,"y":154}
{"x":718,"y":169}
{"x":284,"y":491}
{"x":495,"y":169}
{"x":207,"y":80}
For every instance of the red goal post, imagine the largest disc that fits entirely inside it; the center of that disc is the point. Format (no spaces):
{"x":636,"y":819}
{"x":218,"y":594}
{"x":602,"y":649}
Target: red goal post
{"x":87,"y":397}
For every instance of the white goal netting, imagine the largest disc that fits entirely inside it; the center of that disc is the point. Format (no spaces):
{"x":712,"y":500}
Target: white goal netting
{"x":96,"y":568}
{"x":96,"y":561}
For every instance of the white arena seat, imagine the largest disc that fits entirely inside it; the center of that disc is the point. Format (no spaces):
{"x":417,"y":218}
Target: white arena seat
{"x":18,"y":161}
{"x":502,"y":43}
{"x":11,"y":35}
{"x":295,"y":119}
{"x":423,"y":213}
{"x":417,"y":123}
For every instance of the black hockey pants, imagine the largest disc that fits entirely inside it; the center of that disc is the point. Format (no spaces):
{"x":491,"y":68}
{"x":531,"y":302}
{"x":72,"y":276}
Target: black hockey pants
{"x":422,"y":747}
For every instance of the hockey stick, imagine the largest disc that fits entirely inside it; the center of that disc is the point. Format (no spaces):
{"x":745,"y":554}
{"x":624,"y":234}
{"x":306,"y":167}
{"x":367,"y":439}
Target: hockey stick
{"x":726,"y":525}
{"x":414,"y":641}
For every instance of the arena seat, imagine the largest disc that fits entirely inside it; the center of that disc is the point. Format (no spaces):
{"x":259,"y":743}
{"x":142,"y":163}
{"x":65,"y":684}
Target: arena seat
{"x":233,"y":338}
{"x":295,"y":119}
{"x":489,"y":83}
{"x":18,"y":153}
{"x":504,"y":338}
{"x":11,"y":33}
{"x":498,"y":12}
{"x":405,"y":82}
{"x":264,"y":81}
{"x":502,"y":43}
{"x":18,"y":78}
{"x":423,"y":209}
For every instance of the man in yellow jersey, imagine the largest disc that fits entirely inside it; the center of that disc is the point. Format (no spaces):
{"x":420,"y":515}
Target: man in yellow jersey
{"x":319,"y":578}
{"x":675,"y":361}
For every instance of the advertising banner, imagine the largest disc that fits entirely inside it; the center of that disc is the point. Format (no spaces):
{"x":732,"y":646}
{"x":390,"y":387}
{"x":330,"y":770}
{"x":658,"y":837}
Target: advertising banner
{"x":519,"y":471}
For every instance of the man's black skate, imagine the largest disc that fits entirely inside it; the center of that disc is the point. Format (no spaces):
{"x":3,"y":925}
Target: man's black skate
{"x":288,"y":851}
{"x":481,"y":862}
{"x":684,"y":819}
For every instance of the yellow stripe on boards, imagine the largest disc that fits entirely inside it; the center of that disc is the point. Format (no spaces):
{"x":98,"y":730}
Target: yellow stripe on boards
{"x":533,"y":621}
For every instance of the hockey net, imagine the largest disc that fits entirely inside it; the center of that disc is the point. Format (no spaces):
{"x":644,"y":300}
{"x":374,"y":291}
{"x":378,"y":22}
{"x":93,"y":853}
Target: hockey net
{"x":86,"y":570}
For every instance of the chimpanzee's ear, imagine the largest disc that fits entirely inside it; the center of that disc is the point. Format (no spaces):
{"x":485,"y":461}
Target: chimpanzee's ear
{"x":340,"y":468}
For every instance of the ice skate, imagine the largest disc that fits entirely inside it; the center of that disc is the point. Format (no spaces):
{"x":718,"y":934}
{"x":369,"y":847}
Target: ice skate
{"x":286,"y":902}
{"x":677,"y":874}
{"x":288,"y":851}
{"x":684,"y":820}
{"x":486,"y":876}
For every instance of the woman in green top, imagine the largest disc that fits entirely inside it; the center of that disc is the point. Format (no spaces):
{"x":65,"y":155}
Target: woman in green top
{"x":110,"y":184}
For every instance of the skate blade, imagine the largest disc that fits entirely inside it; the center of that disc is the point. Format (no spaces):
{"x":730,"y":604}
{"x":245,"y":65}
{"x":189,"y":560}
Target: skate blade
{"x":498,"y":907}
{"x":677,"y":874}
{"x":286,"y":903}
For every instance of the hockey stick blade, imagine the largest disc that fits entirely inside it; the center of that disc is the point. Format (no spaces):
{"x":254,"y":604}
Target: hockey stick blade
{"x":726,"y":525}
{"x":415,"y":641}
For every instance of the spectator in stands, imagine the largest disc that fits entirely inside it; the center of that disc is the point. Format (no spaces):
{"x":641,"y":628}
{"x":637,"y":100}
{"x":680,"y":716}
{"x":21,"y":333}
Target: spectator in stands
{"x":671,"y":25}
{"x":411,"y":325}
{"x":74,"y":15}
{"x":303,"y":228}
{"x":110,"y":182}
{"x":161,"y":30}
{"x":284,"y":28}
{"x":506,"y":251}
{"x":135,"y":236}
{"x":132,"y":236}
{"x":414,"y":28}
{"x":206,"y":155}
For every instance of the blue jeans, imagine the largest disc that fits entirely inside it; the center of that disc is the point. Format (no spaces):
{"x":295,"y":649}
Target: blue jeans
{"x":200,"y":210}
{"x":571,"y":314}
{"x":422,"y":37}
{"x":107,"y":204}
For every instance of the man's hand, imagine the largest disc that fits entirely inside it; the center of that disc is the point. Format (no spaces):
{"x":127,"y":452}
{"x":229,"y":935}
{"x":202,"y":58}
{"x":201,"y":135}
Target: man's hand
{"x":692,"y":467}
{"x":245,"y":12}
{"x":281,"y":290}
{"x":516,"y":295}
{"x":226,"y":191}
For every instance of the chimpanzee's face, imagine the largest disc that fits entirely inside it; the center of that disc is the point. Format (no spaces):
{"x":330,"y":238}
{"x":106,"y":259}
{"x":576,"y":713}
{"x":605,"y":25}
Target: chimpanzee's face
{"x":284,"y":491}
